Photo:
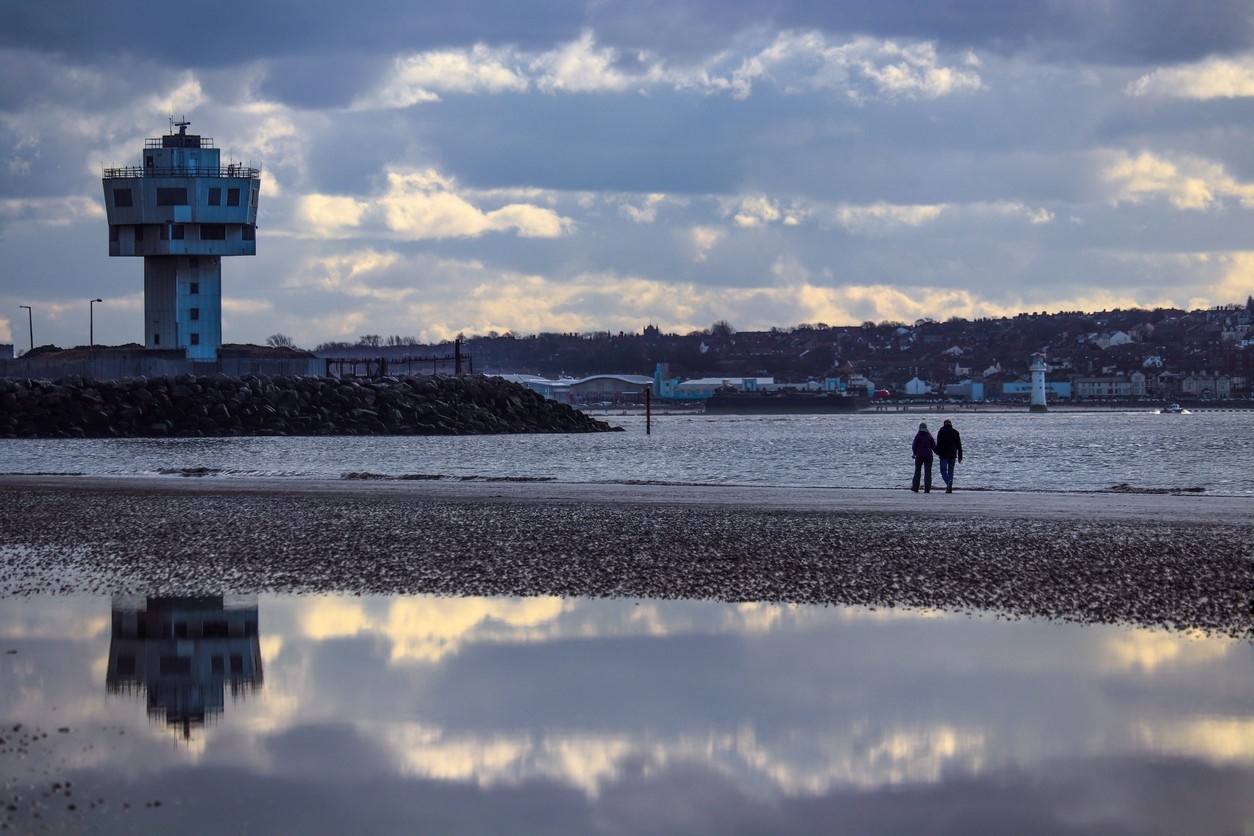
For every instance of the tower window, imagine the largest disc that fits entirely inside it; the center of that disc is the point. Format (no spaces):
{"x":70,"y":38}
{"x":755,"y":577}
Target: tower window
{"x":156,"y":339}
{"x":213,"y":232}
{"x":139,"y":233}
{"x":232,"y":197}
{"x":193,"y":288}
{"x":176,"y":232}
{"x":253,"y":198}
{"x":248,"y":232}
{"x":113,"y":233}
{"x":122,"y":198}
{"x":215,"y":196}
{"x":172,"y":197}
{"x":194,"y":314}
{"x":195,"y":339}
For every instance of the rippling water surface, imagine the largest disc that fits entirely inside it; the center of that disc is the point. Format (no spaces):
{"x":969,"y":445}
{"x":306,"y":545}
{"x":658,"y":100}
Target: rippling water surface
{"x":1064,"y":451}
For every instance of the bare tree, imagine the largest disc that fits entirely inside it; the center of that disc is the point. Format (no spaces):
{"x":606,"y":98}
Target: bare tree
{"x":280,"y":341}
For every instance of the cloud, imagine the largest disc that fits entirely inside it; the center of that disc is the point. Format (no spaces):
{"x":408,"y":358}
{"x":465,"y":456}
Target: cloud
{"x":580,"y":67}
{"x":349,"y":273}
{"x":878,"y":218}
{"x":759,"y":210}
{"x":1214,"y":78}
{"x":420,"y":78}
{"x":859,"y":69}
{"x":646,"y":212}
{"x":331,"y":215}
{"x":424,"y":205}
{"x":1189,"y":182}
{"x":702,"y":239}
{"x":50,"y":211}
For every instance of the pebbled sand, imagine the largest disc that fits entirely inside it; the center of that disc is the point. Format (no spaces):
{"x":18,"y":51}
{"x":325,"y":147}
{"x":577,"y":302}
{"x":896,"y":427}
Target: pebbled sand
{"x":1176,"y":561}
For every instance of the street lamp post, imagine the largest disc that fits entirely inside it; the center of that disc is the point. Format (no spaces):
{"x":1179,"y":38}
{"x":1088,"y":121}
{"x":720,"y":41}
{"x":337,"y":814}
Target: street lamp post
{"x":91,"y":322}
{"x":30,"y":320}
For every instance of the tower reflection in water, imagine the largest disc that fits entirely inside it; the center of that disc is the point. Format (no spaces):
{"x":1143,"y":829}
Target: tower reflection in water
{"x":184,"y":652}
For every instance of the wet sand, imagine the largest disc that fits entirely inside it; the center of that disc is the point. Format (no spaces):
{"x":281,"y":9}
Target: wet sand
{"x":1182,"y":561}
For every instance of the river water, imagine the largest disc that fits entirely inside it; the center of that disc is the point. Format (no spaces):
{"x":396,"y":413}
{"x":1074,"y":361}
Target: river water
{"x":1057,"y":451}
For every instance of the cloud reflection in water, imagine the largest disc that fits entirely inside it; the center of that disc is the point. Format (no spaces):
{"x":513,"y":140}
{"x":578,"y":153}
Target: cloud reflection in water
{"x":667,"y":716}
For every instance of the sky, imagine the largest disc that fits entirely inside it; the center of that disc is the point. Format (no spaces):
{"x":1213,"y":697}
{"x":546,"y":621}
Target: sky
{"x":464,"y":166}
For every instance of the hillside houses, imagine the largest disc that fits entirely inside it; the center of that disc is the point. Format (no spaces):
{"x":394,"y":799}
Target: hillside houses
{"x":1165,"y":354}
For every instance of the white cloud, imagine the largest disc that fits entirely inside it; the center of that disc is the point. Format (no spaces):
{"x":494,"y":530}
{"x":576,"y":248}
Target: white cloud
{"x":702,"y":239}
{"x":793,"y":62}
{"x":1188,"y":182}
{"x":425,"y":205}
{"x":861,"y":69}
{"x":1214,"y":78}
{"x":420,"y":78}
{"x":878,"y":218}
{"x":646,"y":212}
{"x":580,"y":67}
{"x":182,"y":96}
{"x":758,"y":210}
{"x":329,"y":216}
{"x":50,"y":211}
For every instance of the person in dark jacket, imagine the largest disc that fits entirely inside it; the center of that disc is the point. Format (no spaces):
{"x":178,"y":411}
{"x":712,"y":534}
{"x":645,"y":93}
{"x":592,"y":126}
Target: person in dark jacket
{"x":923,"y":448}
{"x":948,"y":450}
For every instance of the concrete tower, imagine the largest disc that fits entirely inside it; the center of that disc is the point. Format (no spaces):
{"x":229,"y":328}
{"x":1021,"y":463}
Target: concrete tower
{"x":182,"y":211}
{"x":1038,"y":369}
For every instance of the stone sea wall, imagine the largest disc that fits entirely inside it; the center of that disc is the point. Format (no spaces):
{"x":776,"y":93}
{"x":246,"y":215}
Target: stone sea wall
{"x":221,"y":405}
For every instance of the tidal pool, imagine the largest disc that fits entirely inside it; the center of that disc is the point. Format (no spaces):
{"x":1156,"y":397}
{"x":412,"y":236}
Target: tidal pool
{"x":335,"y":714}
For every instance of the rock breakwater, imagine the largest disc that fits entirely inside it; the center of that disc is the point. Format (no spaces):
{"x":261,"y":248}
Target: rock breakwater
{"x":221,"y":405}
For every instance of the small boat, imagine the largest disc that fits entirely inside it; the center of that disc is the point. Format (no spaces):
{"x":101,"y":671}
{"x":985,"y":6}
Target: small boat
{"x":1174,"y":409}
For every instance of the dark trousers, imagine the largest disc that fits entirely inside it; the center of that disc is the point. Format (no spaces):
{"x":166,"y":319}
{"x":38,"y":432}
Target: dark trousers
{"x":924,"y":465}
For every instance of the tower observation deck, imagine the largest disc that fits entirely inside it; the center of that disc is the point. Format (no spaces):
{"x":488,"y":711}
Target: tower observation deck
{"x":182,"y":210}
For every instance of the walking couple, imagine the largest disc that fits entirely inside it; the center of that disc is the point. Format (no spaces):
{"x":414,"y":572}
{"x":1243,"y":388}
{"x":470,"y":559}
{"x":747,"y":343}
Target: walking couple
{"x":946,"y":446}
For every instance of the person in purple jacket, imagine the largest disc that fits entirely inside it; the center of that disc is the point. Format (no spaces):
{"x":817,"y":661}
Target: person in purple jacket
{"x":923,"y":448}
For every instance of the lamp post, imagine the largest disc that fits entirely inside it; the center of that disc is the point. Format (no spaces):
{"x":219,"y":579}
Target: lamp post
{"x":91,"y":322}
{"x":30,"y":320}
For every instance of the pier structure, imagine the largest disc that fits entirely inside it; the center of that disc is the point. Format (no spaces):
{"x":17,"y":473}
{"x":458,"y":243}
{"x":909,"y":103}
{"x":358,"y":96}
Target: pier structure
{"x":1038,"y":369}
{"x":182,"y":211}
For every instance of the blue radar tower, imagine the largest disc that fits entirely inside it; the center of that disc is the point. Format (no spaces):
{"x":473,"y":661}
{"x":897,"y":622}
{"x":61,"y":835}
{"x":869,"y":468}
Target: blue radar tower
{"x":182,"y":210}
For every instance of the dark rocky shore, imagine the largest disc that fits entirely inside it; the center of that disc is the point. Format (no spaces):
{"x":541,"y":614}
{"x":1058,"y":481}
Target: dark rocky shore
{"x":220,"y":405}
{"x":1186,"y":569}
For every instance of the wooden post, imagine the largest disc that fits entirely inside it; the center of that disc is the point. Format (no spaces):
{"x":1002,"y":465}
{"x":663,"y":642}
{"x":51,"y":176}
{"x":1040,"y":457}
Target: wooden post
{"x":648,"y":410}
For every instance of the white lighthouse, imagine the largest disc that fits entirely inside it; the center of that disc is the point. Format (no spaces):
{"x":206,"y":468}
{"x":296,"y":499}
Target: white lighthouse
{"x":182,"y":210}
{"x":1038,"y":369}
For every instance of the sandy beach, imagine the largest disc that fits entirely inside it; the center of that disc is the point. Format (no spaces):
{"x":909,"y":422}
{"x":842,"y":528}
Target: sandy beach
{"x":1182,"y":561}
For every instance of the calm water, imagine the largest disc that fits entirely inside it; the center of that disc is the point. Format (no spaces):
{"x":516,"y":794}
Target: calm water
{"x":343,"y":714}
{"x":1018,"y":451}
{"x":548,"y":715}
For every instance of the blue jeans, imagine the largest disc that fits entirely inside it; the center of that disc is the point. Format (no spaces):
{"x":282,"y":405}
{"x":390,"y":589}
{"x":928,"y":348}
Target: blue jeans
{"x":947,"y":470}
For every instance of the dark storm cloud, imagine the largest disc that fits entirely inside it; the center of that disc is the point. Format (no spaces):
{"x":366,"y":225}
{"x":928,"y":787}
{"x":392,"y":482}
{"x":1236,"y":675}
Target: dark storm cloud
{"x":316,"y":28}
{"x":312,"y":81}
{"x":1135,"y":32}
{"x":624,"y":143}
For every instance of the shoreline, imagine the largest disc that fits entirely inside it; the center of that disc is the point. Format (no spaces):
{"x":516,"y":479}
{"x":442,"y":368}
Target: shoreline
{"x":1182,"y":562}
